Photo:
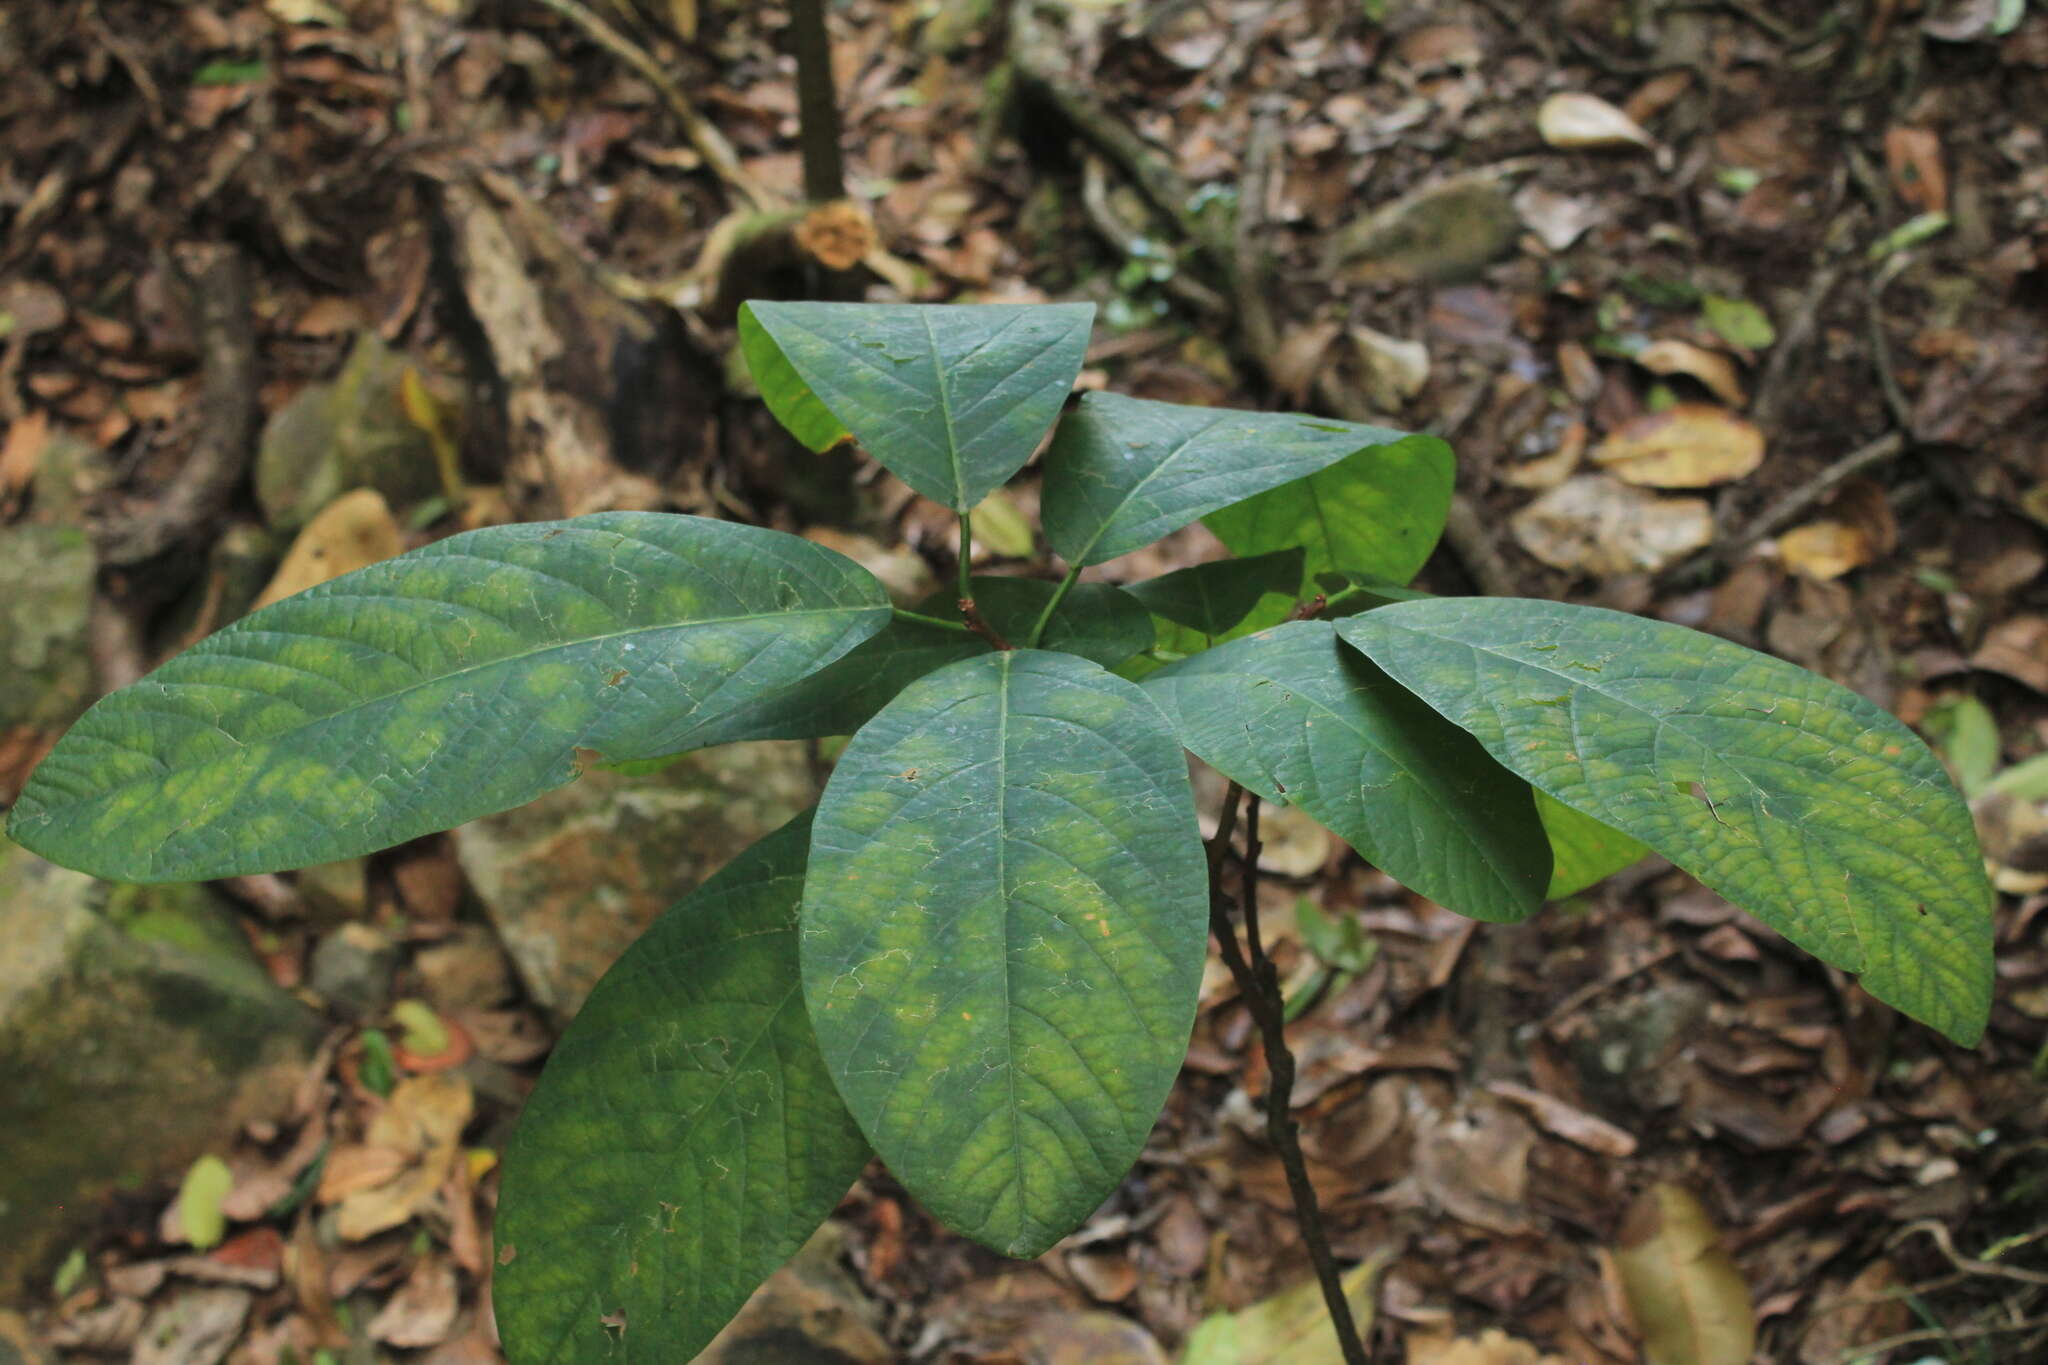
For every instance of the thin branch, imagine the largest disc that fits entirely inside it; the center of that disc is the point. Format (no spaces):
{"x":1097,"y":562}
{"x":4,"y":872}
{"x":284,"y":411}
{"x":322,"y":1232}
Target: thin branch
{"x":718,"y":154}
{"x":1258,"y":982}
{"x":977,"y":623}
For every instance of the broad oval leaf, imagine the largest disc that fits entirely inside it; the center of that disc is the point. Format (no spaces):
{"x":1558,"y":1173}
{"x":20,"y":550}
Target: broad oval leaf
{"x":1788,"y":794}
{"x":1301,"y":721}
{"x":1096,"y":621}
{"x":1582,"y":850}
{"x":685,"y":1138}
{"x":952,"y":399}
{"x":1378,"y":512}
{"x":1212,"y":598}
{"x":457,"y":680}
{"x":1003,"y":936}
{"x":1122,"y":472}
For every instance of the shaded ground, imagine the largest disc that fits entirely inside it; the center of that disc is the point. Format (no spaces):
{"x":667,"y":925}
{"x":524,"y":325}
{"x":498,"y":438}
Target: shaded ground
{"x":1834,"y":245}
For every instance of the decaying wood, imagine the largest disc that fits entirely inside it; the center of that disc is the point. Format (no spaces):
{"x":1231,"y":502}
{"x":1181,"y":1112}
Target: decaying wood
{"x":604,"y":401}
{"x":215,"y":281}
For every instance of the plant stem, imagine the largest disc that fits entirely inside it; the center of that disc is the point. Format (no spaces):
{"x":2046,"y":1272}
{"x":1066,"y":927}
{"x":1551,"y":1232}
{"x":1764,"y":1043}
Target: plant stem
{"x":938,"y":621}
{"x":817,"y":103}
{"x":1059,"y":595}
{"x":1259,"y":983}
{"x":966,"y":551}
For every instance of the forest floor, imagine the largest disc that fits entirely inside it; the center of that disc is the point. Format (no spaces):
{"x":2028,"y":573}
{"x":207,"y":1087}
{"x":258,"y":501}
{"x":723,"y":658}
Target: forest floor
{"x":1814,"y":230}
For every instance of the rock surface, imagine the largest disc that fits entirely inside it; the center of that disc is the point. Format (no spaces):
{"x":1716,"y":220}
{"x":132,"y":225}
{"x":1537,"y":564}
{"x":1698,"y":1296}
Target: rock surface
{"x":350,"y":433}
{"x":576,"y":876}
{"x":46,"y":576}
{"x":136,"y":1033}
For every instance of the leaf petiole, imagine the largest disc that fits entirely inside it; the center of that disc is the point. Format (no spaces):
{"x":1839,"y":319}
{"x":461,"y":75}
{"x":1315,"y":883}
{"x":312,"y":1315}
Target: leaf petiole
{"x":1059,"y":595}
{"x":921,"y":619}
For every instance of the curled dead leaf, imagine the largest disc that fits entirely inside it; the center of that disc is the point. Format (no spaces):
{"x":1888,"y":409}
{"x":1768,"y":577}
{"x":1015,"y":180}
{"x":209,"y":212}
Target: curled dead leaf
{"x":1825,"y":549}
{"x":2018,"y":648}
{"x":1597,"y":525}
{"x":1689,"y":1301}
{"x":1548,"y":471}
{"x":837,"y":235}
{"x":1574,"y":120}
{"x":412,"y":1144}
{"x":1395,"y":370}
{"x":1711,"y":368}
{"x":353,"y":531}
{"x":1687,"y":445}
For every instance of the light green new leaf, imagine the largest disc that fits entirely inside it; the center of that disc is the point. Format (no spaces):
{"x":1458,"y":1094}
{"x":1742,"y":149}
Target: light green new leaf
{"x":1212,"y":598}
{"x":951,"y":399}
{"x":1582,"y":850}
{"x":1003,"y":936}
{"x":685,"y":1138}
{"x":1122,"y":472}
{"x":1301,"y":721}
{"x":457,"y":680}
{"x":1378,"y":512}
{"x":1793,"y":797}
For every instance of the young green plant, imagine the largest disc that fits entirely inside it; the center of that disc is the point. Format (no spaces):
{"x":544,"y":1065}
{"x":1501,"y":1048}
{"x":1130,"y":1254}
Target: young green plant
{"x":978,"y":957}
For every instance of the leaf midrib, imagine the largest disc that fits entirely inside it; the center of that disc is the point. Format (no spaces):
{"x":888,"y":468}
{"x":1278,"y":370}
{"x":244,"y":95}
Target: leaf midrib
{"x":399,"y":693}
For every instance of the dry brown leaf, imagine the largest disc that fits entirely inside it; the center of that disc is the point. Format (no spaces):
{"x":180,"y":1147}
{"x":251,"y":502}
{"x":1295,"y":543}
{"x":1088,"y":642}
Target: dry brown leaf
{"x":1913,"y":157}
{"x":424,"y":1308}
{"x":1825,"y":549}
{"x":1594,"y":524}
{"x":21,"y":454}
{"x":1557,"y":219}
{"x":837,"y":235}
{"x":1575,"y":120}
{"x":1711,"y":368}
{"x":1395,"y":370}
{"x":1687,"y":445}
{"x":1553,"y":1115}
{"x":353,"y":531}
{"x":1300,"y":356}
{"x":1866,"y":1309}
{"x":1548,"y":471}
{"x":1690,"y":1303}
{"x":2018,"y":648}
{"x":423,"y":1122}
{"x":1491,"y":1347}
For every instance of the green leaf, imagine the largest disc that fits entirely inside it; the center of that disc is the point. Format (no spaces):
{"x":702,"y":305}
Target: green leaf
{"x":1740,"y":322}
{"x":205,"y":1189}
{"x":1966,"y":734}
{"x":1213,"y":597}
{"x":460,"y":679}
{"x":685,"y":1138}
{"x":1378,"y":512}
{"x":951,"y":399}
{"x":1786,"y":793}
{"x":1122,"y":472}
{"x":1582,"y":850}
{"x":1003,"y":936}
{"x":1096,"y":621}
{"x":1300,"y":721}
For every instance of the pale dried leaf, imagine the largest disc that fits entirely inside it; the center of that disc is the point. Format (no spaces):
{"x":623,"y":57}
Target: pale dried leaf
{"x":2018,"y":648}
{"x":1690,"y":1302}
{"x":1597,"y":525}
{"x":1687,"y":445}
{"x":350,"y":533}
{"x":423,"y":1310}
{"x":1491,"y":1347}
{"x":1395,"y":370}
{"x":1575,"y":120}
{"x":1824,"y":549}
{"x":1711,"y":368}
{"x":1548,"y":471}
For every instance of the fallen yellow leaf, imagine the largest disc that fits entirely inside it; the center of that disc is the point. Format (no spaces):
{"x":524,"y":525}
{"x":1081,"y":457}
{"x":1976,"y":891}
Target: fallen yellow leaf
{"x":1690,"y":1303}
{"x":353,"y":531}
{"x":1688,"y":445}
{"x":1576,"y":120}
{"x":1596,"y":525}
{"x":1711,"y":368}
{"x":1824,"y":549}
